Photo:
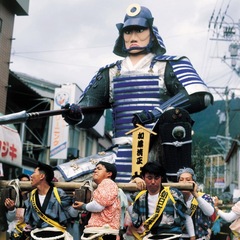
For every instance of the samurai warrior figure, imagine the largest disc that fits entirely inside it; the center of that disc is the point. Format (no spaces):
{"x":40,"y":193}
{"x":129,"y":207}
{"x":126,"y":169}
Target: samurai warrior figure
{"x":139,"y":89}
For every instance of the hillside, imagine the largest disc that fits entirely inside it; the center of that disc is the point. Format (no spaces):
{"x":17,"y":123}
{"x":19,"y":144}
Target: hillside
{"x":207,"y":123}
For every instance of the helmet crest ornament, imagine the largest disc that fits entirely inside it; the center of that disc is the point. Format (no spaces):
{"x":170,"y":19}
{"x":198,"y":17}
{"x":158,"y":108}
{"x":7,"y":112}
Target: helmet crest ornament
{"x":133,"y":10}
{"x":138,"y":16}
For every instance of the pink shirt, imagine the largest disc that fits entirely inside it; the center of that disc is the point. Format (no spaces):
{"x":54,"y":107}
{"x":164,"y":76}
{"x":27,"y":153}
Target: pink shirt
{"x":106,"y":194}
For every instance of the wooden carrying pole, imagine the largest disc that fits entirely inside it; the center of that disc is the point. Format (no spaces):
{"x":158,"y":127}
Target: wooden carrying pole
{"x":70,"y":186}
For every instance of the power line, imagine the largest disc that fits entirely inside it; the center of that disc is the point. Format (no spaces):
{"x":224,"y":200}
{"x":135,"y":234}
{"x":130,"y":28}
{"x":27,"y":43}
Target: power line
{"x":61,"y":50}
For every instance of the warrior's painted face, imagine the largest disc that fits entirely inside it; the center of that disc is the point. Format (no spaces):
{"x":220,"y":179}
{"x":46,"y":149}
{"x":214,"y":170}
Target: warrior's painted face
{"x":136,"y":38}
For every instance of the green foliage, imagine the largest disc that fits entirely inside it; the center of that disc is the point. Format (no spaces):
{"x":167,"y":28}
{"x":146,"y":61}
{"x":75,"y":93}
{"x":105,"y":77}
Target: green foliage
{"x":207,"y":125}
{"x":200,"y":148}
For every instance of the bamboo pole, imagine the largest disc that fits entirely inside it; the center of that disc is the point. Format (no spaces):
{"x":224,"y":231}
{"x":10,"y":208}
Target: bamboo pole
{"x":70,"y":186}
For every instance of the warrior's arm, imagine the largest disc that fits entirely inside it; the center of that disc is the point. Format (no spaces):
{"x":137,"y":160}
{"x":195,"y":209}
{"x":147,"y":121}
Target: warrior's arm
{"x":198,"y":99}
{"x":194,"y":94}
{"x":96,"y":95}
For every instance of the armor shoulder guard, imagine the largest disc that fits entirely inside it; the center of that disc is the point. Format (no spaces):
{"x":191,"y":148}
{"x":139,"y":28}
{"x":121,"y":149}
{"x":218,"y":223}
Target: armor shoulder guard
{"x":185,"y":73}
{"x":168,"y":58}
{"x":111,"y":65}
{"x":181,"y":76}
{"x":96,"y":94}
{"x":101,"y":74}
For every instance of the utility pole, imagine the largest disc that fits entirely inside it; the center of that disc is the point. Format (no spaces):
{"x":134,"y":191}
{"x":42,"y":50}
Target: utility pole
{"x":227,"y":110}
{"x":224,"y":141}
{"x":225,"y":29}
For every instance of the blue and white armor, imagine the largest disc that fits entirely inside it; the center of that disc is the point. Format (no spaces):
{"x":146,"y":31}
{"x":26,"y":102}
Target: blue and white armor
{"x":133,"y":91}
{"x":136,"y":88}
{"x":130,"y":88}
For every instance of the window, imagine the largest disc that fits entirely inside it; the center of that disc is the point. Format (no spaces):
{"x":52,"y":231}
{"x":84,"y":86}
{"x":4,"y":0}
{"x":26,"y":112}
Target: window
{"x":89,"y":145}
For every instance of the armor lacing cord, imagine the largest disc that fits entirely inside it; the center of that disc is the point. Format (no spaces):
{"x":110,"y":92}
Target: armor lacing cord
{"x":177,"y":143}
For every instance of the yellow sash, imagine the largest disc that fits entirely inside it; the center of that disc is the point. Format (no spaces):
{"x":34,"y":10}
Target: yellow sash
{"x":19,"y":227}
{"x":42,"y":215}
{"x":162,"y":201}
{"x":194,"y":203}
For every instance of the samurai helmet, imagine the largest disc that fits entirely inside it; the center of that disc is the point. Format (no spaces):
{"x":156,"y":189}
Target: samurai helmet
{"x":139,"y":16}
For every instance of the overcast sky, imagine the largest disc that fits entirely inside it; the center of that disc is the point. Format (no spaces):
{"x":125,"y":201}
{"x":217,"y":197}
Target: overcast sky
{"x":67,"y":41}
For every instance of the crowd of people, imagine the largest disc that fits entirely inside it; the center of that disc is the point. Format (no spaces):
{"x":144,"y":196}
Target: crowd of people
{"x":136,"y":88}
{"x":153,"y":212}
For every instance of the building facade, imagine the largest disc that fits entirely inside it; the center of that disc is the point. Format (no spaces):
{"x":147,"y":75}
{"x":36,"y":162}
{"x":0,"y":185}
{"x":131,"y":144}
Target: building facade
{"x":8,"y":10}
{"x":35,"y":95}
{"x":233,"y":169}
{"x":214,"y":174}
{"x":20,"y":92}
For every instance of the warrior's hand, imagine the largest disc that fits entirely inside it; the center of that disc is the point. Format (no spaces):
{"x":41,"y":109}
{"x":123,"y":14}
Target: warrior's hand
{"x":74,"y":114}
{"x":146,"y":117}
{"x":143,"y":118}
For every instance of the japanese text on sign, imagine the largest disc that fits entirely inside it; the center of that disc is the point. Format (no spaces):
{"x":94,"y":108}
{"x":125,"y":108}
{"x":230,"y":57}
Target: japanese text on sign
{"x":140,"y":147}
{"x":8,"y":149}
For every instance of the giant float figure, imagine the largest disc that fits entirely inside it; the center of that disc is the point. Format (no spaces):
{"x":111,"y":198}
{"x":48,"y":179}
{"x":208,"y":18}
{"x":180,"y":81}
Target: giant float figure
{"x":147,"y":87}
{"x":137,"y":89}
